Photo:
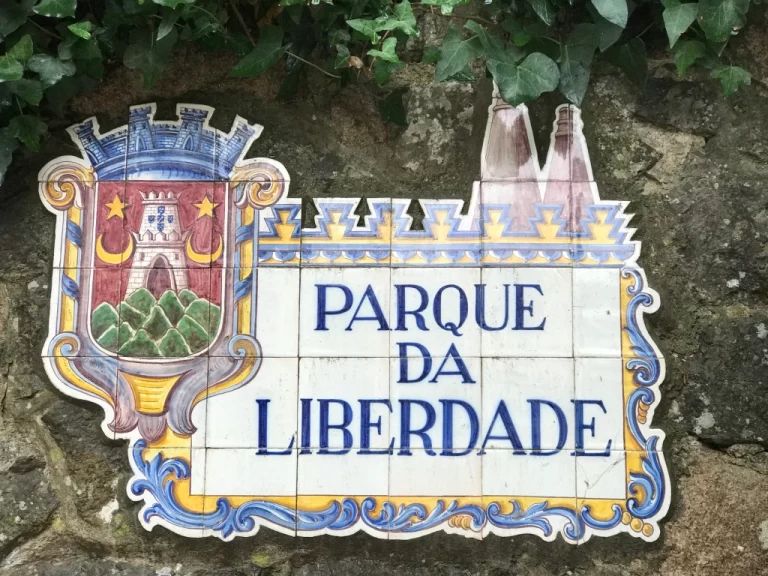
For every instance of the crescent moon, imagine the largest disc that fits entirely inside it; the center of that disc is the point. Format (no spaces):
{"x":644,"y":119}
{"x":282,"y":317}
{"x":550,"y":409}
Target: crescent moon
{"x":199,"y":258}
{"x":110,"y":257}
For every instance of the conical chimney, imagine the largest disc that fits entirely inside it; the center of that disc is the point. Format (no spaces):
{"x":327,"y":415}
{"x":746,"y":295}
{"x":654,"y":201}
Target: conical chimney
{"x":568,"y":169}
{"x":509,"y":167}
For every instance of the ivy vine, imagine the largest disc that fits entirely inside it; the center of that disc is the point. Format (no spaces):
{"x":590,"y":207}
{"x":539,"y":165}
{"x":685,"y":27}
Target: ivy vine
{"x":53,"y":50}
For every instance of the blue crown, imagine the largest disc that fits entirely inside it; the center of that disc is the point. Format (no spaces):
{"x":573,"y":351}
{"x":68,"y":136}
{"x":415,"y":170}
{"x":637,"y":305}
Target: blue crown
{"x":186,"y":149}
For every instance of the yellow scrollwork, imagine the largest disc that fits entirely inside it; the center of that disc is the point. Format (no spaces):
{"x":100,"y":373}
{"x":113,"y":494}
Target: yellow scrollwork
{"x":62,"y":183}
{"x":259,"y":184}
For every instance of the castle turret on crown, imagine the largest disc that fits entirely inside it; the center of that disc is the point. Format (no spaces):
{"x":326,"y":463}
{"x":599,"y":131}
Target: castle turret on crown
{"x":158,"y":261}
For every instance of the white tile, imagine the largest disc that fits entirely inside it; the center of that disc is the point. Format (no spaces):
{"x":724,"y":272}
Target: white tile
{"x":344,"y":312}
{"x":349,"y":398}
{"x":448,"y":408}
{"x":277,"y":316}
{"x":599,"y":476}
{"x":244,"y":472}
{"x":508,"y":474}
{"x":523,"y":389}
{"x":350,"y":474}
{"x":234,"y":418}
{"x":600,"y":399}
{"x":421,"y":474}
{"x":527,"y":312}
{"x":597,"y":312}
{"x":433,"y":310}
{"x":197,"y":471}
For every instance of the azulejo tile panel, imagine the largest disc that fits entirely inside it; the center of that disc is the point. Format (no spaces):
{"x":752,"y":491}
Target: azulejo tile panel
{"x":486,"y":372}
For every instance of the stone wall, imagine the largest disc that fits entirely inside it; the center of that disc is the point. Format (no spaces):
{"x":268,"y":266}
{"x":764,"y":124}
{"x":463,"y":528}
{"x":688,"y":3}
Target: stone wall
{"x":694,"y":166}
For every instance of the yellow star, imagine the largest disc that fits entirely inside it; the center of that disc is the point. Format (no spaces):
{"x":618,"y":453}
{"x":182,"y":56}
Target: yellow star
{"x":116,"y":208}
{"x":205,"y":208}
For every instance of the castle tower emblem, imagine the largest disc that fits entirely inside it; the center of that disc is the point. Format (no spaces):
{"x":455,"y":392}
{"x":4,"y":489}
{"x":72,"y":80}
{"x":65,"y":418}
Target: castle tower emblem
{"x":158,"y":262}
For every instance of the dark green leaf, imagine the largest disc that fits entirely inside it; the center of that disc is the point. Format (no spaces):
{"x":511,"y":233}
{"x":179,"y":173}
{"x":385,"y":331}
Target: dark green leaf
{"x":23,"y":49}
{"x":677,"y":19}
{"x":431,"y":54}
{"x":575,"y":62}
{"x":544,"y":10}
{"x":81,"y":29}
{"x":446,"y":6}
{"x":615,"y":11}
{"x":30,"y":91}
{"x":8,"y":145}
{"x":731,"y":77}
{"x":581,"y":44}
{"x":493,"y":47}
{"x":170,"y":17}
{"x":148,"y":55}
{"x":28,"y":130}
{"x":720,"y":18}
{"x":520,"y":34}
{"x":10,"y":69}
{"x":607,"y":33}
{"x":268,"y":50}
{"x":338,"y":36}
{"x":464,"y":75}
{"x":574,"y":79}
{"x":50,"y":68}
{"x":342,"y":56}
{"x":527,"y":81}
{"x":387,"y":51}
{"x":56,"y":8}
{"x":383,"y":70}
{"x":631,"y":58}
{"x":686,"y":53}
{"x":392,"y":109}
{"x":456,"y":53}
{"x":13,"y":14}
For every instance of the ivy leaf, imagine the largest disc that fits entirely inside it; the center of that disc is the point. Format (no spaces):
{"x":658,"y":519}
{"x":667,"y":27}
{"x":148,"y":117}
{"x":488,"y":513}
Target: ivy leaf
{"x":367,"y":28}
{"x":731,"y":77}
{"x":720,"y":18}
{"x":268,"y":50}
{"x":446,"y":6}
{"x":544,"y":10}
{"x":383,"y":70}
{"x":631,"y":58}
{"x":27,"y":129}
{"x":387,"y":51}
{"x":607,"y":33}
{"x":686,"y":53}
{"x":392,"y":109}
{"x":10,"y":68}
{"x":575,"y":62}
{"x":30,"y":91}
{"x":677,"y":19}
{"x":342,"y":56}
{"x":147,"y":55}
{"x":404,"y":15}
{"x":13,"y":14}
{"x":23,"y":49}
{"x":81,"y":29}
{"x":56,"y":8}
{"x":8,"y":145}
{"x":615,"y":11}
{"x":170,"y":17}
{"x":50,"y":68}
{"x":527,"y":81}
{"x":456,"y":53}
{"x":492,"y":46}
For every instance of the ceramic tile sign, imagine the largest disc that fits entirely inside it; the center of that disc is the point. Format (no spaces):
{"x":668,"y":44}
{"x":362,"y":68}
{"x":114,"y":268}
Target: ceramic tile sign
{"x":483,"y":371}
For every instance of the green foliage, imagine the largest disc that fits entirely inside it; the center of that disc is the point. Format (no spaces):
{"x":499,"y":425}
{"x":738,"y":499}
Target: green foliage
{"x":52,"y":50}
